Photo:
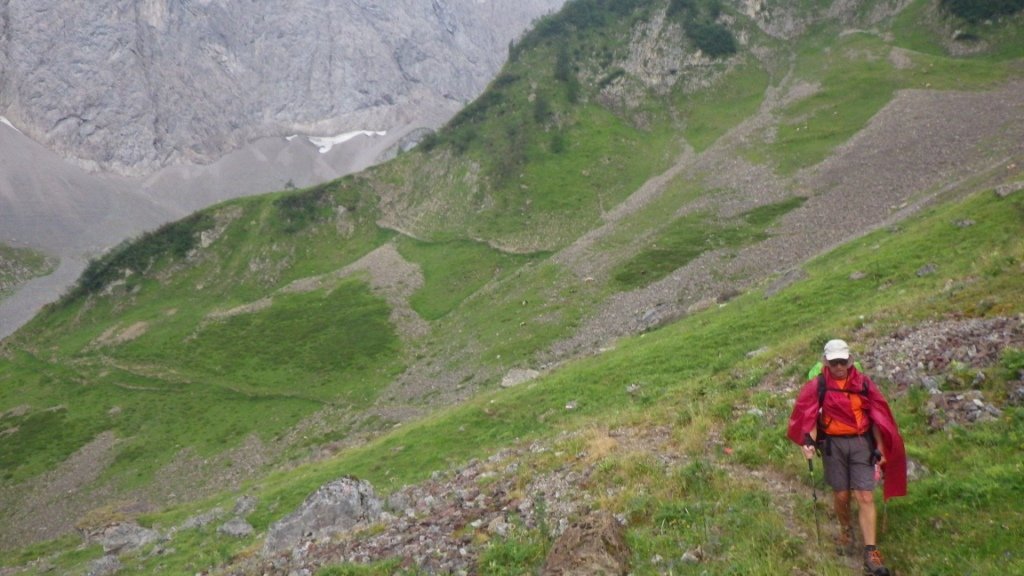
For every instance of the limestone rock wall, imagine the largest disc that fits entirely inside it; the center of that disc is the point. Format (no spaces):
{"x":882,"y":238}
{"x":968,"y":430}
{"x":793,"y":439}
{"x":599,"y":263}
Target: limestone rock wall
{"x":133,"y":85}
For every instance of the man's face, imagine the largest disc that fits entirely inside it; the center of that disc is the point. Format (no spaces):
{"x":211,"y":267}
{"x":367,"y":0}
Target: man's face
{"x":839,"y":367}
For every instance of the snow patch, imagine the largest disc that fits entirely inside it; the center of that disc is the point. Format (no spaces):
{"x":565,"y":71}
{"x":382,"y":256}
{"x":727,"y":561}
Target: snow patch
{"x":4,"y":120}
{"x":325,"y":143}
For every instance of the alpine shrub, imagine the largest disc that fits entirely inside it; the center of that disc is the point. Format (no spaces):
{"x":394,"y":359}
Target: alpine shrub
{"x":980,"y":10}
{"x":176,"y":239}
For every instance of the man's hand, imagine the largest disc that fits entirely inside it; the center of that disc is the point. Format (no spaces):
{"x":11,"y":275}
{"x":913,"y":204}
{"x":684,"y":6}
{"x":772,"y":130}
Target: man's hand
{"x":809,"y":446}
{"x":808,"y":451}
{"x":877,"y":457}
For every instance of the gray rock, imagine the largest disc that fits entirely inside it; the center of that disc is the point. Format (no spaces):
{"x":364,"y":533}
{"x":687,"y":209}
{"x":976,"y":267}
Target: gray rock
{"x":1006,"y":189}
{"x":104,"y":566}
{"x":518,"y":376}
{"x":1016,"y":396}
{"x":397,"y":502}
{"x":236,"y":527}
{"x":245,"y":505}
{"x":334,"y":508}
{"x":125,"y":536}
{"x":498,"y":526}
{"x":197,"y":79}
{"x":204,"y":519}
{"x":930,"y":384}
{"x":927,"y":270}
{"x":916,"y":470}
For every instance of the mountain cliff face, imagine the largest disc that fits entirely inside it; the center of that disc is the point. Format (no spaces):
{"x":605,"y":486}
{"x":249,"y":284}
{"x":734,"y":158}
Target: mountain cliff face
{"x":131,"y":86}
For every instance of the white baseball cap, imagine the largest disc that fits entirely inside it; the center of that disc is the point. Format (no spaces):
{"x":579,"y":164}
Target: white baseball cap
{"x":837,"y":349}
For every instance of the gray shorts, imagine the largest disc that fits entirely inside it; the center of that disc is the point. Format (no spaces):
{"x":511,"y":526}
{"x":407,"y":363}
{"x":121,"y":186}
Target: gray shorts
{"x":848,"y":463}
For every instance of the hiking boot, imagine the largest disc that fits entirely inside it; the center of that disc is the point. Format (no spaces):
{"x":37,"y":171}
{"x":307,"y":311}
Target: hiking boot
{"x":873,"y":563}
{"x":844,"y":541}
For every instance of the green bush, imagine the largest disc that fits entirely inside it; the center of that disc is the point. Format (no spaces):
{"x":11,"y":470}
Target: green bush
{"x":579,"y":16}
{"x":699,"y":22}
{"x":980,"y":10}
{"x":299,"y":210}
{"x":133,"y":258}
{"x":713,"y":39}
{"x":677,"y":7}
{"x":1013,"y":362}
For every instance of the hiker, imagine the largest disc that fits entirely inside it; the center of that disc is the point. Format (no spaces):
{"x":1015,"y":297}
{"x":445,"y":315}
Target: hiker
{"x":841,"y":413}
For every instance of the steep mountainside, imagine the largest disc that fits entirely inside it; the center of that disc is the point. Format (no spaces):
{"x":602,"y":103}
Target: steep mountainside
{"x":200,"y":102}
{"x":194,"y":80}
{"x":605,"y":276}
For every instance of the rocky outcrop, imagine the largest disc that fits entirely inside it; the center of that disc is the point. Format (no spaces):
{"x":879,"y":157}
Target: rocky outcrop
{"x":133,"y":85}
{"x":335,"y":508}
{"x":122,"y":536}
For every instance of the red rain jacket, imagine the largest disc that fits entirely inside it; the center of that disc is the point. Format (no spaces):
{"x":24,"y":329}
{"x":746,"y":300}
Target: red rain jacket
{"x":804,"y":419}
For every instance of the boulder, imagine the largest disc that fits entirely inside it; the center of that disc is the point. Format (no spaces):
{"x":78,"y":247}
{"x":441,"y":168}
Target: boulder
{"x":517,"y":376}
{"x":236,"y":527}
{"x":104,"y":566}
{"x":334,"y":508}
{"x":125,"y":536}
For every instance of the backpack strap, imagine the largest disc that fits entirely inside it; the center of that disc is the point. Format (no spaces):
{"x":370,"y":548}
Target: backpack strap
{"x":822,"y":388}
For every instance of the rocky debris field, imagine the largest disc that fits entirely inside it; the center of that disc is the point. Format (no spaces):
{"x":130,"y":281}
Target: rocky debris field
{"x":439,"y":525}
{"x":943,"y":352}
{"x":898,"y":164}
{"x":436,"y":525}
{"x":948,"y":358}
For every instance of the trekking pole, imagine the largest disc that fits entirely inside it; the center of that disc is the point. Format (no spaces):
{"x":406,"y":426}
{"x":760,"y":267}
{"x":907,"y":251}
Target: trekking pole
{"x":885,"y":502}
{"x":814,"y":492}
{"x":885,"y":512}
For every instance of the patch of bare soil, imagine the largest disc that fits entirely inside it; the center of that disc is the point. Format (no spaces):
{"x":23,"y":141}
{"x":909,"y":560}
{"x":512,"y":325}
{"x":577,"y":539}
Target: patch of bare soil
{"x":250,"y":308}
{"x":47,"y":506}
{"x":116,"y":335}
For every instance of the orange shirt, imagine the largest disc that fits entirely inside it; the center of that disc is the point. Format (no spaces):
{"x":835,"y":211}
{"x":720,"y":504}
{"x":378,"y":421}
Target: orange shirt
{"x":835,"y":427}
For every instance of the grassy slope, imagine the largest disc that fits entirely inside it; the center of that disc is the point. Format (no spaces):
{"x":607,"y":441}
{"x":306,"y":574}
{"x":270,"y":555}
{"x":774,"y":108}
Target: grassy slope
{"x":695,"y":373}
{"x":18,"y":265}
{"x":218,"y":397}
